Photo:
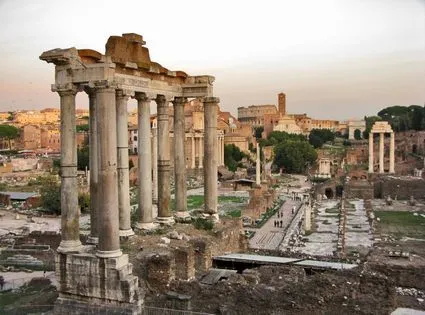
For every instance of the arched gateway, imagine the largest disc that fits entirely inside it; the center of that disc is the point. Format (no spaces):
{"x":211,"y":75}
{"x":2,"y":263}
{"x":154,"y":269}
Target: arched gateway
{"x":102,"y":277}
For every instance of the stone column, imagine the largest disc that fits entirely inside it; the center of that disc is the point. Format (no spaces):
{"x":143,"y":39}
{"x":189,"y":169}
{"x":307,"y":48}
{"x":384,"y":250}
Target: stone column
{"x":122,"y":166}
{"x":392,"y":148}
{"x":381,"y":152}
{"x":155,"y":165}
{"x":164,"y":213}
{"x":145,"y":216}
{"x":109,"y":241}
{"x":94,"y":172}
{"x":210,"y":156}
{"x":370,"y":152}
{"x":70,"y":213}
{"x":179,"y":157}
{"x":193,"y":151}
{"x":201,"y":151}
{"x":258,"y":167}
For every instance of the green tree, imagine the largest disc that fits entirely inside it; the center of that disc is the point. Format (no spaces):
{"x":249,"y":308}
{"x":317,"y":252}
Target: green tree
{"x":232,"y":156}
{"x":357,"y":134}
{"x":9,"y":132}
{"x":83,"y":158}
{"x":318,"y":137}
{"x":294,"y":156}
{"x":51,"y":196}
{"x":82,"y":128}
{"x":258,"y":132}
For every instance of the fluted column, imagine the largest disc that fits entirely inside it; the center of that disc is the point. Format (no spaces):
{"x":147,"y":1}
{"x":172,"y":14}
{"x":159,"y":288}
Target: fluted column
{"x":145,"y":216}
{"x":210,"y":156}
{"x":381,"y":152}
{"x":370,"y":152}
{"x":392,"y":148}
{"x":109,"y":242}
{"x":70,"y":213}
{"x":193,"y":151}
{"x":155,"y":165}
{"x":94,"y":171}
{"x":179,"y":157}
{"x":122,"y":166}
{"x":164,"y":213}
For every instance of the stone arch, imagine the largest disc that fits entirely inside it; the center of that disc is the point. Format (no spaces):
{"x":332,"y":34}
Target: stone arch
{"x":329,"y":193}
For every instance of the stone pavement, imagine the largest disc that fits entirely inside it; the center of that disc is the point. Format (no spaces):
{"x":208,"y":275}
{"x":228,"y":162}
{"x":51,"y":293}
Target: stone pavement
{"x":268,"y":236}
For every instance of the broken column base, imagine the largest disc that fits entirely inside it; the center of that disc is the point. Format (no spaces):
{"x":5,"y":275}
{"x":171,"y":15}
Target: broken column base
{"x":182,"y":217}
{"x":165,"y":220}
{"x":89,"y":284}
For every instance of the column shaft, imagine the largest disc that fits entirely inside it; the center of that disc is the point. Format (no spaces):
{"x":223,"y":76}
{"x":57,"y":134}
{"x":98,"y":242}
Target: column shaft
{"x":109,"y":242}
{"x":164,"y":213}
{"x":94,"y":171}
{"x":179,"y":156}
{"x":122,"y":166}
{"x":201,"y":151}
{"x":155,"y":165}
{"x":392,"y":148}
{"x":145,"y":162}
{"x":370,"y":152}
{"x":210,"y":156}
{"x":258,"y":167}
{"x":193,"y":152}
{"x":70,"y":213}
{"x":381,"y":152}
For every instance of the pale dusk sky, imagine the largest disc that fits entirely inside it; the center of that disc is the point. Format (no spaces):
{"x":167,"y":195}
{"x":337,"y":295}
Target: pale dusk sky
{"x":334,"y":59}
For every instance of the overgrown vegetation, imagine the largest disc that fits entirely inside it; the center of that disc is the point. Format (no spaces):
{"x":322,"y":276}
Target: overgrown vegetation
{"x":318,"y":137}
{"x":203,"y":224}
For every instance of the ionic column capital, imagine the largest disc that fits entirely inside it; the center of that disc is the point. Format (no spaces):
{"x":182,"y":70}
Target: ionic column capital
{"x":125,"y":94}
{"x":211,"y":100}
{"x":66,"y":89}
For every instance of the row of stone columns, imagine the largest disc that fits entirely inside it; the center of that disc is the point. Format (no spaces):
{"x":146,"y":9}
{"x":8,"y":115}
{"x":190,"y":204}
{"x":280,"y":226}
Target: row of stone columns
{"x":381,"y":152}
{"x":109,"y":180}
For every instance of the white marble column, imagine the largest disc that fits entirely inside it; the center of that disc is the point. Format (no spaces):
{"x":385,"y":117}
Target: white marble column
{"x":179,"y":157}
{"x":70,"y":213}
{"x":109,"y":241}
{"x":210,"y":156}
{"x":164,"y":212}
{"x":122,"y":165}
{"x":370,"y":152}
{"x":94,"y":171}
{"x":381,"y":152}
{"x":192,"y":162}
{"x":145,"y":217}
{"x":392,"y":148}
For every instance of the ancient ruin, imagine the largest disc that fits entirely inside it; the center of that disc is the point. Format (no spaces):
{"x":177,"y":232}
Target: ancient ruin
{"x":102,"y":275}
{"x":381,"y":128}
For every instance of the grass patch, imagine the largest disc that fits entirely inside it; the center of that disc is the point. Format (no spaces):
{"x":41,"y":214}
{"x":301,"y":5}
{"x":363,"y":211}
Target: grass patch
{"x":234,"y":213}
{"x":401,"y":223}
{"x":194,"y":202}
{"x":234,"y":199}
{"x":203,"y":224}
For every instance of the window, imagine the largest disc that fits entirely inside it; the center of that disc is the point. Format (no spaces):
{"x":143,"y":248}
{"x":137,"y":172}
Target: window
{"x":135,"y":138}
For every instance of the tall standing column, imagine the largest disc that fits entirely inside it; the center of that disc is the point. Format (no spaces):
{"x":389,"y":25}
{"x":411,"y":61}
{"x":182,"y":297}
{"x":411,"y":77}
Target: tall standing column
{"x":94,"y":172}
{"x":370,"y":152}
{"x":193,"y":152}
{"x":392,"y":148}
{"x":144,"y":163}
{"x":70,"y":213}
{"x":201,"y":151}
{"x":381,"y":152}
{"x":109,"y":241}
{"x":122,"y":166}
{"x":164,"y":213}
{"x":179,"y":157}
{"x":210,"y":156}
{"x":258,"y":167}
{"x":155,"y":165}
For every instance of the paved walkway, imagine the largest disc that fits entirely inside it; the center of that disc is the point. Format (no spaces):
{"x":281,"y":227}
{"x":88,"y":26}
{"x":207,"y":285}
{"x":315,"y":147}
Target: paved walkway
{"x":268,"y":236}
